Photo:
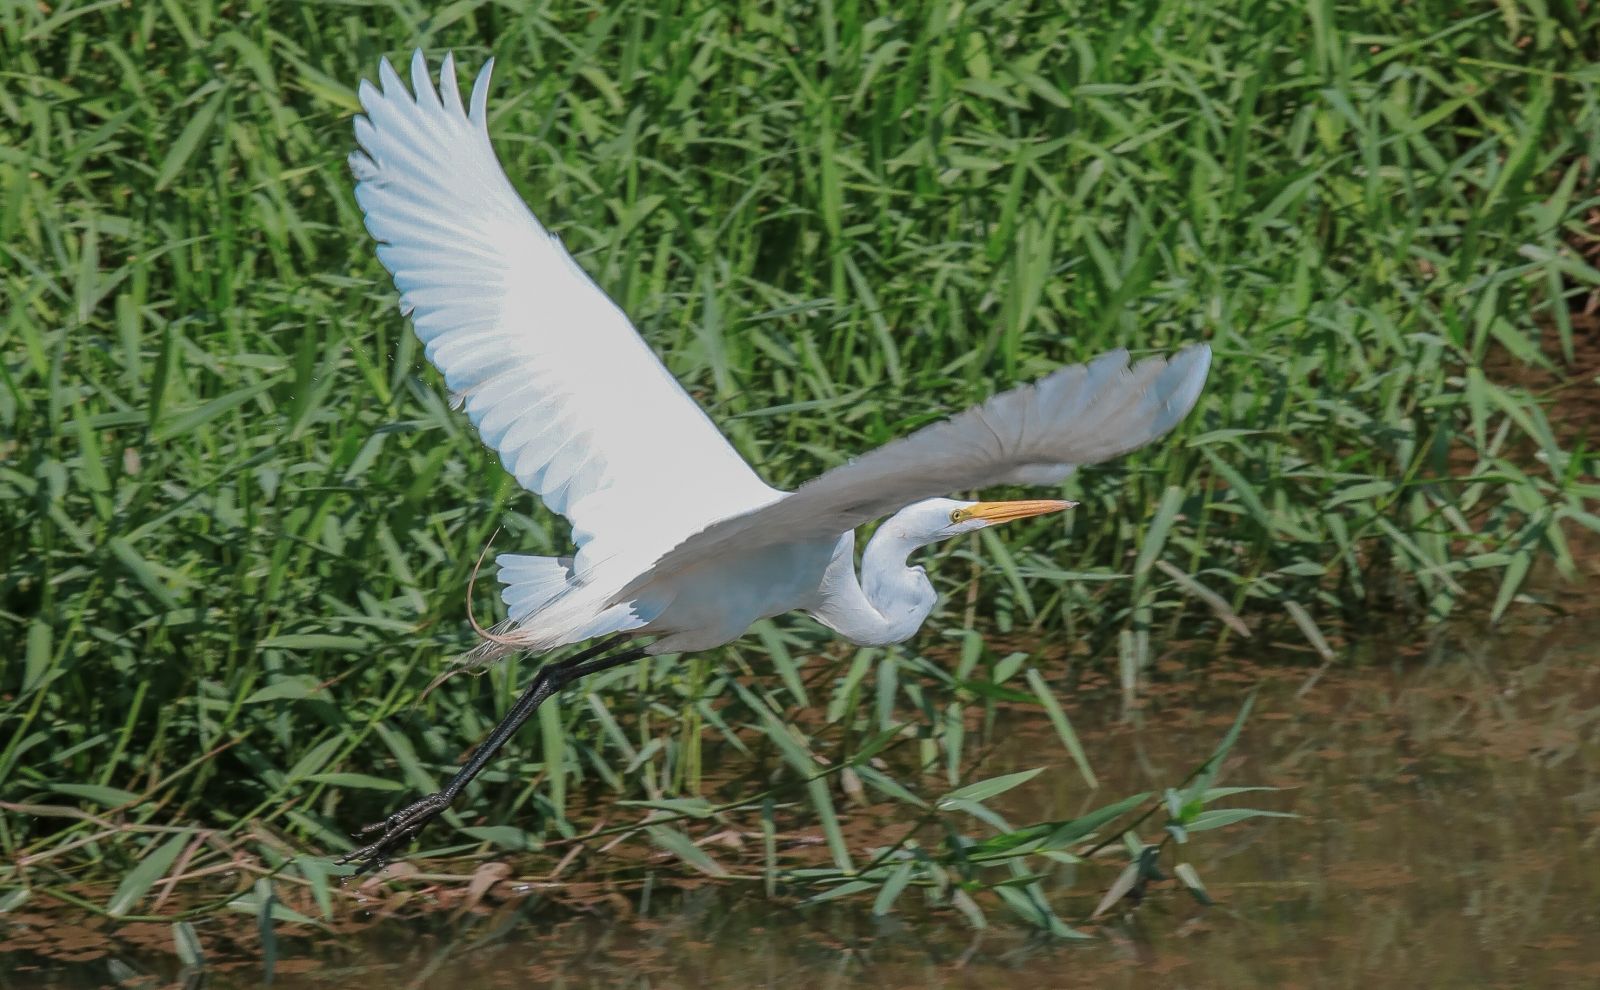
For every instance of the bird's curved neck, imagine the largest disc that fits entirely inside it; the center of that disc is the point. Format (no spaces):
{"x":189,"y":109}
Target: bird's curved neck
{"x":889,"y":601}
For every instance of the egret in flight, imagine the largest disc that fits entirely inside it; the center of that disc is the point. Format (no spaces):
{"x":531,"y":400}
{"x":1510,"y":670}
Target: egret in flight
{"x":679,"y":542}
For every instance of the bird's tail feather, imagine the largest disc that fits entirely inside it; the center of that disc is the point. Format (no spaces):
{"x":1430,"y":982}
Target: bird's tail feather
{"x":573,"y":612}
{"x":488,"y":650}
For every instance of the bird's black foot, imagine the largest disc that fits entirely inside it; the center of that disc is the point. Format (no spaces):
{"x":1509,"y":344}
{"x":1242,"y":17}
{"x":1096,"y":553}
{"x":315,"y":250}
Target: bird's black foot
{"x":396,"y":830}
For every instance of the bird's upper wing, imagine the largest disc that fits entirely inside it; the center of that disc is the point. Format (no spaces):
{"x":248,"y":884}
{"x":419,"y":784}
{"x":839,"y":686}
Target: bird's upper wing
{"x":1034,"y":434}
{"x":552,"y":373}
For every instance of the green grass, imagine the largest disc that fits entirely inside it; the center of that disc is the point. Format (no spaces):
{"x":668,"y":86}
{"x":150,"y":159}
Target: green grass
{"x":237,"y":519}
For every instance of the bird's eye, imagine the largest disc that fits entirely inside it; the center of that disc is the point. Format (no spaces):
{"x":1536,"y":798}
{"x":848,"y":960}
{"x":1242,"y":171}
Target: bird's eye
{"x":956,"y":515}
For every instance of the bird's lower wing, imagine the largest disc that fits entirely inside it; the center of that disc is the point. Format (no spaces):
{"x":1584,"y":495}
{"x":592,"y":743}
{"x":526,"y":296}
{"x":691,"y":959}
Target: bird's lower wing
{"x":1034,"y":434}
{"x":551,"y":372}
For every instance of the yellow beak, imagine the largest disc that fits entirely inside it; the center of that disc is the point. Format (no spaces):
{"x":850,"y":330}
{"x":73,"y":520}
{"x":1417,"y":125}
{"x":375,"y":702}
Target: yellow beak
{"x":1001,"y":512}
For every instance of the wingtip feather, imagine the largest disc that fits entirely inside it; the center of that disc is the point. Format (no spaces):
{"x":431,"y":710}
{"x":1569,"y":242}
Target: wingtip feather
{"x":449,"y":87}
{"x":393,"y":88}
{"x":368,"y":95}
{"x":480,"y":95}
{"x":1192,"y":366}
{"x":422,"y":82}
{"x":361,"y":166}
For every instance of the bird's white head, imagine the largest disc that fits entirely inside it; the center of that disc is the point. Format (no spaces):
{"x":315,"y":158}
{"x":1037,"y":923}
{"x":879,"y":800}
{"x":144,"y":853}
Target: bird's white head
{"x":935,"y":519}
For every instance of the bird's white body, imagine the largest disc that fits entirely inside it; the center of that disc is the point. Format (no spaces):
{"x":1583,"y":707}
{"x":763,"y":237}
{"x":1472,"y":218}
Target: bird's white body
{"x":818,"y":577}
{"x":712,"y":608}
{"x":714,"y":602}
{"x":677,"y":537}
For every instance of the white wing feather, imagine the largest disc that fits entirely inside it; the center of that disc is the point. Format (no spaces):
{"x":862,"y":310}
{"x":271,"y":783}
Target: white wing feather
{"x":553,"y":374}
{"x":1035,"y":434}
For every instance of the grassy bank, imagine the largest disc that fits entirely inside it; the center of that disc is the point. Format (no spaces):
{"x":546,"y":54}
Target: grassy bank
{"x":237,"y":519}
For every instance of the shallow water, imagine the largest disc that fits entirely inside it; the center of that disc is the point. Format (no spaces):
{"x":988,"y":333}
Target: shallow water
{"x":1450,"y":836}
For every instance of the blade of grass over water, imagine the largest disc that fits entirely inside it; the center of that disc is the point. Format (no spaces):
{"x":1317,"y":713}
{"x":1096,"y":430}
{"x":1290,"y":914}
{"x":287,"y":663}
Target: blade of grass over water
{"x":238,"y":516}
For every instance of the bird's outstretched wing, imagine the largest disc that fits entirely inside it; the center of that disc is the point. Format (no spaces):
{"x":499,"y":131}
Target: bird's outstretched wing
{"x":1035,"y":434}
{"x":552,"y":373}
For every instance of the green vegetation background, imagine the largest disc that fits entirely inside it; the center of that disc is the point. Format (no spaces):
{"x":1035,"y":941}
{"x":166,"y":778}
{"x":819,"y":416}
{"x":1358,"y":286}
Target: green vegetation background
{"x":237,"y":519}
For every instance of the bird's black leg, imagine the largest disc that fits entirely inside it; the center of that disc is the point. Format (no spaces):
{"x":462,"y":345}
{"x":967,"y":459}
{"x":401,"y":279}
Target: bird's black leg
{"x":405,"y":824}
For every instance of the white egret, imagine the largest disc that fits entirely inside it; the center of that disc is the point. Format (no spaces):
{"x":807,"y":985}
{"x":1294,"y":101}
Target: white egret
{"x":677,"y":538}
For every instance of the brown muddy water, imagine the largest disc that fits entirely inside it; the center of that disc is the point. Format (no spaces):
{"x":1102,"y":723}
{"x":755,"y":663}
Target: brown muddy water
{"x":1450,"y":837}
